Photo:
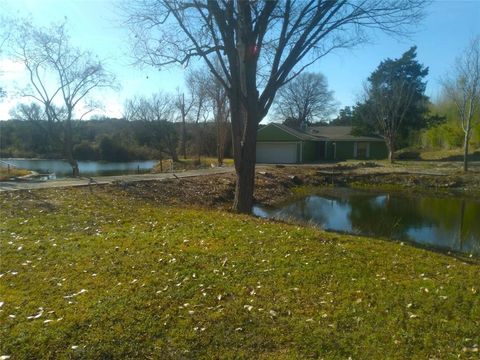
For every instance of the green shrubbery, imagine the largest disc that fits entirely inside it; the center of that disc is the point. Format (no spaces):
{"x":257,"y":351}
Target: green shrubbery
{"x":447,"y":134}
{"x":444,"y":136}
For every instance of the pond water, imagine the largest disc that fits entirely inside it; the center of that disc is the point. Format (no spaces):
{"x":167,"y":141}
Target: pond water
{"x":61,"y":168}
{"x":446,"y":223}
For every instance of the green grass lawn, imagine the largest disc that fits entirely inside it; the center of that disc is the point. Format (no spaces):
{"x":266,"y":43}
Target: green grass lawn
{"x":97,"y":275}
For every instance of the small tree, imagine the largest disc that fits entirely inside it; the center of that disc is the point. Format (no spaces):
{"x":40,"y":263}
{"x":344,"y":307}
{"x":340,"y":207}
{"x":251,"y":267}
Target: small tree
{"x":198,"y":87}
{"x":395,"y":100}
{"x":463,"y":88}
{"x":305,"y":99}
{"x":61,"y":77}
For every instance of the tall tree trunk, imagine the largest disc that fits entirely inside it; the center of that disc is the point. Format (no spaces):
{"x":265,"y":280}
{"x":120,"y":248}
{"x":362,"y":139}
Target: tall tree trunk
{"x":244,"y":139}
{"x":391,"y":151}
{"x":184,"y":138}
{"x":68,"y":148}
{"x":199,"y":141}
{"x":244,"y":109}
{"x":465,"y":149}
{"x":161,"y":161}
{"x":218,"y":123}
{"x":173,"y":151}
{"x":245,"y":171}
{"x":220,"y":155}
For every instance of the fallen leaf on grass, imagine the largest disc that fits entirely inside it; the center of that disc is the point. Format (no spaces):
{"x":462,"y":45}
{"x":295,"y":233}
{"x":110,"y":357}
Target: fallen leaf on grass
{"x":76,"y":294}
{"x":36,"y":316}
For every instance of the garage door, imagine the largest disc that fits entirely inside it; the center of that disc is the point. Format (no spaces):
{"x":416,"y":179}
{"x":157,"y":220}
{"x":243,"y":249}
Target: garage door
{"x":277,"y":153}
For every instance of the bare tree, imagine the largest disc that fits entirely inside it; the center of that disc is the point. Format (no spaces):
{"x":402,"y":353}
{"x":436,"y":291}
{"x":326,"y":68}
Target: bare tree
{"x":388,"y":110}
{"x":463,"y":88}
{"x":157,"y":113}
{"x":211,"y":99}
{"x":61,"y":76}
{"x":183,"y":105}
{"x":221,"y":110}
{"x":28,"y":112}
{"x":305,"y":99}
{"x":259,"y":45}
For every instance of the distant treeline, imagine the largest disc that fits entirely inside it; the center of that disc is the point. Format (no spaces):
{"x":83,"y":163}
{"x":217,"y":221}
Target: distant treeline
{"x":109,"y":139}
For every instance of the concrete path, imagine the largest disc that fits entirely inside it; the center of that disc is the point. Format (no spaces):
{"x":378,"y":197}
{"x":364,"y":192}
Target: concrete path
{"x":101,"y":180}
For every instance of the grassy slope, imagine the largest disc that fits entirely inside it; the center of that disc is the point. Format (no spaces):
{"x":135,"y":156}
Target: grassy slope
{"x":191,"y":283}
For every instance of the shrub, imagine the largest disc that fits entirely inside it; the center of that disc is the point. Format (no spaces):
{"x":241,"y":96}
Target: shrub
{"x":111,"y":150}
{"x":85,"y":151}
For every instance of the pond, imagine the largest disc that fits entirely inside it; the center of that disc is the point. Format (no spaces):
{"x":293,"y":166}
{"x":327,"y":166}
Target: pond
{"x":61,"y":168}
{"x":445,"y":223}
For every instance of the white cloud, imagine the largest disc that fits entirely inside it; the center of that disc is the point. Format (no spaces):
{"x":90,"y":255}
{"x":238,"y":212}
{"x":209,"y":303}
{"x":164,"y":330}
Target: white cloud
{"x":10,"y":69}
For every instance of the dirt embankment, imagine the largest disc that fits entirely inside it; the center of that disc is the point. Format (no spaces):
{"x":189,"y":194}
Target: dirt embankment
{"x":275,"y":184}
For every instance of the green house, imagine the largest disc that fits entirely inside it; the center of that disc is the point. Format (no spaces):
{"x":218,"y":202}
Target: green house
{"x":280,"y":144}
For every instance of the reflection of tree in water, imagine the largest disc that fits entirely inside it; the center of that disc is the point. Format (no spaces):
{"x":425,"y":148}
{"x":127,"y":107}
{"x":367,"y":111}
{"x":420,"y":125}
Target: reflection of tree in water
{"x":306,"y":209}
{"x":455,"y":216}
{"x":445,"y":222}
{"x":391,"y":218}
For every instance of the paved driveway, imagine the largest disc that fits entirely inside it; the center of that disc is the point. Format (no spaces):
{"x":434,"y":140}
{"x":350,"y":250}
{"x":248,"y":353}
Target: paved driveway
{"x":84,"y":181}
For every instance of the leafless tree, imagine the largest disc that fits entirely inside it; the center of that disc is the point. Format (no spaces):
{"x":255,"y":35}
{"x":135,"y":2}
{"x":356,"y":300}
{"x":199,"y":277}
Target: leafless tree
{"x":305,"y":99}
{"x":259,"y":45}
{"x":28,"y":112}
{"x":387,"y":107}
{"x":157,"y":112}
{"x":212,"y":100}
{"x":196,"y":85}
{"x":184,"y":105}
{"x":61,"y":76}
{"x":463,"y":88}
{"x":221,"y":110}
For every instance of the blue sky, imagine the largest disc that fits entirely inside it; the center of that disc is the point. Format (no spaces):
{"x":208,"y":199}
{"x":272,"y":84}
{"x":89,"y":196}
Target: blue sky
{"x":95,"y":25}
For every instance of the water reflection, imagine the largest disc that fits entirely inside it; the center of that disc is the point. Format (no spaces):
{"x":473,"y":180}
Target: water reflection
{"x":450,"y":223}
{"x":61,"y":168}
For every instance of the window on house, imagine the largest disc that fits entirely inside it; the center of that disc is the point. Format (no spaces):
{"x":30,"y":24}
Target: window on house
{"x":362,"y":150}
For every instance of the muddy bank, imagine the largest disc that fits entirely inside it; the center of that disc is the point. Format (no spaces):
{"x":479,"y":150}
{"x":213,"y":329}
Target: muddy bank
{"x":274,"y":185}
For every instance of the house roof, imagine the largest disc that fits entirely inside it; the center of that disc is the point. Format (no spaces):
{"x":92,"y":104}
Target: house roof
{"x":325,"y":133}
{"x":301,"y":135}
{"x":339,"y":133}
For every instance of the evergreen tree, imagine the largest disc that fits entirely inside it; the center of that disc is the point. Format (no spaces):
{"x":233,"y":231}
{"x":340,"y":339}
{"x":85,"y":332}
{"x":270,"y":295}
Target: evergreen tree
{"x":395,"y":100}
